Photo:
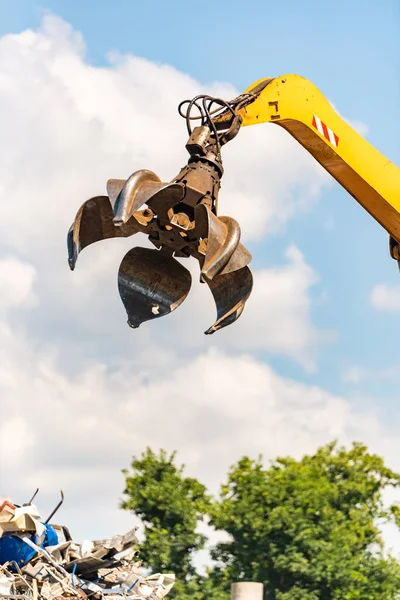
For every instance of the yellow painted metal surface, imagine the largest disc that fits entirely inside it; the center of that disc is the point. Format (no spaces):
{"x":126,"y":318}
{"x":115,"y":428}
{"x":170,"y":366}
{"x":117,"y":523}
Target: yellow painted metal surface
{"x":298,"y":106}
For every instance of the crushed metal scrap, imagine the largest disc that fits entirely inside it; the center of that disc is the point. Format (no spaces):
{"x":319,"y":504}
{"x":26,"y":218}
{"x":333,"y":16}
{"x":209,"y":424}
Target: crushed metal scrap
{"x":39,"y":560}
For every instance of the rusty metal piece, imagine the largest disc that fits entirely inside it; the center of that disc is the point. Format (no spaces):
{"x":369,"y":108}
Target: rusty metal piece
{"x":198,"y":140}
{"x":151,"y":284}
{"x":32,"y":498}
{"x":56,"y":508}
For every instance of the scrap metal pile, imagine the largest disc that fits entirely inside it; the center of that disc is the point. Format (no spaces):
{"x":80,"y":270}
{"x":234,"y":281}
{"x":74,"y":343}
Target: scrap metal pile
{"x":41,"y":561}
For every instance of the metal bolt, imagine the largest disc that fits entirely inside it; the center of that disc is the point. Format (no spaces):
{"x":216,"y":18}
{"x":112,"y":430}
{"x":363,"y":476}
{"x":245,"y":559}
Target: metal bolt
{"x":144,"y":216}
{"x":181,"y":220}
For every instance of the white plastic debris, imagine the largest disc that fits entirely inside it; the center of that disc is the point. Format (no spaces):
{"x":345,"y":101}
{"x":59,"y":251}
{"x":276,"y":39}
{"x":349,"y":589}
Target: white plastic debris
{"x":23,"y":518}
{"x":5,"y":585}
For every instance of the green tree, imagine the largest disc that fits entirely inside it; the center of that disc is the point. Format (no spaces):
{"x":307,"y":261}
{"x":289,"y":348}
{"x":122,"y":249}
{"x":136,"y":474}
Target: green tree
{"x":170,"y":506}
{"x":308,"y":529}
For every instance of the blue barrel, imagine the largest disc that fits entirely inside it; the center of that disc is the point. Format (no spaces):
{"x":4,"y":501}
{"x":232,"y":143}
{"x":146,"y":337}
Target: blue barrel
{"x":14,"y":549}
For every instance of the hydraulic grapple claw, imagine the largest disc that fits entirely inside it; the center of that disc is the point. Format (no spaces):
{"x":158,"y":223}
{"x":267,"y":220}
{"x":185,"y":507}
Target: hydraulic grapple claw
{"x":180,"y":219}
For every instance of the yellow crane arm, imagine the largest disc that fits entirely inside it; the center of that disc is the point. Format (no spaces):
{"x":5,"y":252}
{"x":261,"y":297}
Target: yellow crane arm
{"x":298,"y":106}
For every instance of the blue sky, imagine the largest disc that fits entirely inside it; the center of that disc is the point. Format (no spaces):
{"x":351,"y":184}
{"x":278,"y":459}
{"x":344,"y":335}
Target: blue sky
{"x":351,"y":51}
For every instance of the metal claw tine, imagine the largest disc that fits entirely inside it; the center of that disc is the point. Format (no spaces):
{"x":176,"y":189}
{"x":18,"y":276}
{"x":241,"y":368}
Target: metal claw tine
{"x":140,"y":186}
{"x":151,"y":284}
{"x":114,"y":186}
{"x":93,"y":222}
{"x":230,"y":293}
{"x":224,"y":252}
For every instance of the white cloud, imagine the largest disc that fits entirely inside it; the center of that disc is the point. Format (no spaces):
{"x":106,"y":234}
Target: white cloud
{"x":16,"y":280}
{"x":386,"y":297}
{"x":277,"y":318}
{"x":213,"y":408}
{"x":356,"y":374}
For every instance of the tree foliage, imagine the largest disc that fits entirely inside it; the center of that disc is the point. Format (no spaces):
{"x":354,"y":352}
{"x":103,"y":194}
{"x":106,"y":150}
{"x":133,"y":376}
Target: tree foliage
{"x":170,"y":506}
{"x":308,"y":529}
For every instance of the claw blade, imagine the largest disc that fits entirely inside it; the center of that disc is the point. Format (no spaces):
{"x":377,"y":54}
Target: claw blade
{"x":230,"y":292}
{"x":224,"y":251}
{"x":94,"y":222}
{"x":136,"y":190}
{"x":151,"y":284}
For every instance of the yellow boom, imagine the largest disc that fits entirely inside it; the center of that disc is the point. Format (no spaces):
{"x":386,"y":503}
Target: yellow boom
{"x":298,"y":106}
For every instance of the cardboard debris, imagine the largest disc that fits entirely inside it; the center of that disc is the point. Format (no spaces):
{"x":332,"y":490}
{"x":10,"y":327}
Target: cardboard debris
{"x":22,"y":518}
{"x":100,"y":570}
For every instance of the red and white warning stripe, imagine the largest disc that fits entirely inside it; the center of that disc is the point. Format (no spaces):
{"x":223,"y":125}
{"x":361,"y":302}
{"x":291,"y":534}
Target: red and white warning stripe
{"x":325,"y":131}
